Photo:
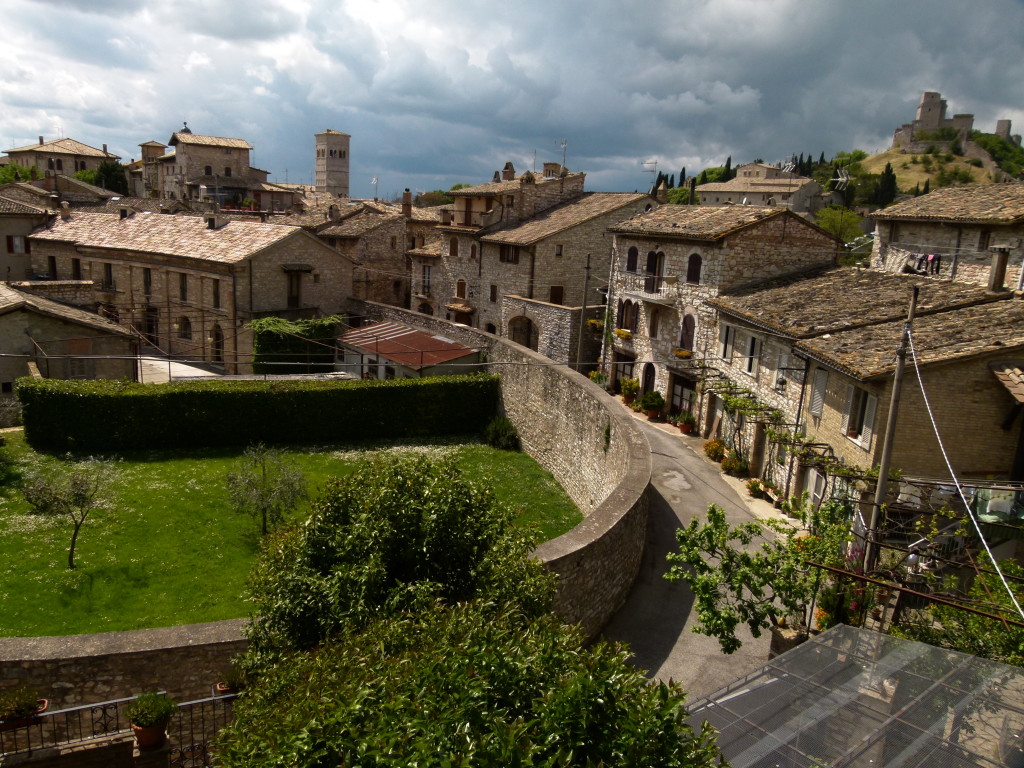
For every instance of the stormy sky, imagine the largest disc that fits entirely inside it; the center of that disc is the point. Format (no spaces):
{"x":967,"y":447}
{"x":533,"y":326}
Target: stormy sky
{"x":435,"y":93}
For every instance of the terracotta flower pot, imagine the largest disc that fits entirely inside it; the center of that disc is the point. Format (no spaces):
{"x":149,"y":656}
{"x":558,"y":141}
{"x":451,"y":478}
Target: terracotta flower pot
{"x":685,"y":428}
{"x":9,"y":724}
{"x":149,"y":736}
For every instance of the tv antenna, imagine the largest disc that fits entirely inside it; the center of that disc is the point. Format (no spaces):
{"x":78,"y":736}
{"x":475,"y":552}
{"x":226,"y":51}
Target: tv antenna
{"x":653,"y":170}
{"x":563,"y":144}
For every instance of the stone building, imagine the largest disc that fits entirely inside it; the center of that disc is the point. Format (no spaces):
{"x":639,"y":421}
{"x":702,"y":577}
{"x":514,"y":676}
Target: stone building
{"x":61,"y":340}
{"x":950,"y":233}
{"x":332,"y":159}
{"x":189,"y":284}
{"x":669,"y":263}
{"x":765,"y":185}
{"x":17,"y":220}
{"x":59,"y":157}
{"x":818,"y":350}
{"x":514,"y":255}
{"x":931,"y":118}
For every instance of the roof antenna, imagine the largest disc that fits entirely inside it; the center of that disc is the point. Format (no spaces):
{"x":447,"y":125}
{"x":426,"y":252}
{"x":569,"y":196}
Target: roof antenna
{"x":563,"y":144}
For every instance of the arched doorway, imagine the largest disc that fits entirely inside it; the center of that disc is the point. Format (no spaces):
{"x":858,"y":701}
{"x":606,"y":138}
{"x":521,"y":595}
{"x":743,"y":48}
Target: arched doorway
{"x":649,"y":375}
{"x":217,"y":344}
{"x":522,"y":331}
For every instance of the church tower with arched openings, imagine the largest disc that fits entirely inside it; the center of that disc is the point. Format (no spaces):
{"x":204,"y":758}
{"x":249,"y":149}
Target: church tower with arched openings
{"x":332,"y":162}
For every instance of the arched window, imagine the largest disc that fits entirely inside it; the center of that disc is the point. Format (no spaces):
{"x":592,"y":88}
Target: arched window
{"x":453,"y":247}
{"x":460,"y":289}
{"x":627,"y":315}
{"x":655,"y":265}
{"x":693,"y":269}
{"x":184,"y":328}
{"x":631,"y":258}
{"x":686,"y":338}
{"x":208,"y":170}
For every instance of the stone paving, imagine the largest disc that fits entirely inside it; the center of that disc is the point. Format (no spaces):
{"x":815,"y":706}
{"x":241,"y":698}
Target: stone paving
{"x":657,"y":619}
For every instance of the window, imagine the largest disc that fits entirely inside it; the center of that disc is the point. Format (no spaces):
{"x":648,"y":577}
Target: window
{"x":426,"y":280}
{"x":472,"y":251}
{"x":726,"y":340}
{"x":655,"y":267}
{"x":984,"y":238}
{"x":453,"y":247}
{"x":818,"y":392}
{"x":294,"y":290}
{"x":147,"y":282}
{"x":653,"y":323}
{"x":108,"y":277}
{"x":227,"y":171}
{"x":50,"y":165}
{"x":215,"y":286}
{"x":60,"y":164}
{"x":394,"y":242}
{"x":631,"y":259}
{"x":686,"y":338}
{"x":494,"y":293}
{"x":184,"y":328}
{"x":17,"y":244}
{"x":627,"y":316}
{"x":508,"y":253}
{"x":859,"y":418}
{"x":693,"y":269}
{"x":76,"y":269}
{"x":491,"y":328}
{"x":460,"y":289}
{"x":558,"y":249}
{"x":753,"y":355}
{"x":51,"y":266}
{"x":556,"y":294}
{"x":183,"y":286}
{"x":208,"y":170}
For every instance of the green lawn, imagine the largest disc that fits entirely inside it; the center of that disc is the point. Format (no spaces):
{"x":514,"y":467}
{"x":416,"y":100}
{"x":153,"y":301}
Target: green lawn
{"x":172,"y":552}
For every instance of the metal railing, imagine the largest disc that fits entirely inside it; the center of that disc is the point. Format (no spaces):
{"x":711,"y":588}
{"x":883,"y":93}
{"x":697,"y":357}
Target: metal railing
{"x":191,"y":730}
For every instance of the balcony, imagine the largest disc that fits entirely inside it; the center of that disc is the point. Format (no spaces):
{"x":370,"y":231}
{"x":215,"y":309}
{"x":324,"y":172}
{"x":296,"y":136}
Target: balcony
{"x":653,"y":288}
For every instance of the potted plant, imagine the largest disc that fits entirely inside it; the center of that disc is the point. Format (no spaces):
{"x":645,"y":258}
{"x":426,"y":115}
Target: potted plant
{"x":623,"y":334}
{"x":652,"y":403}
{"x":629,"y":388}
{"x":233,"y":681}
{"x":595,"y":325}
{"x":715,"y":449}
{"x":19,"y":707}
{"x":686,"y":422}
{"x":683,"y":354}
{"x":148,"y":714}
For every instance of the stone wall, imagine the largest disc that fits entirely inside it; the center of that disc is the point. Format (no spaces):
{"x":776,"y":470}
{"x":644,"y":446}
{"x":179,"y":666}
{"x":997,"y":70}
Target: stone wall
{"x":572,"y":427}
{"x":78,"y":293}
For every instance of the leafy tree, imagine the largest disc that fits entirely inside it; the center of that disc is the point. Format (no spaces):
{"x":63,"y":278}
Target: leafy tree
{"x":88,"y":175}
{"x":755,"y":573}
{"x":432,"y":199}
{"x":458,"y":686}
{"x":110,"y":175}
{"x":678,"y":196}
{"x":266,"y":486}
{"x":839,"y":221}
{"x":70,"y":489}
{"x":389,"y":533}
{"x":887,"y":189}
{"x":12,"y":172}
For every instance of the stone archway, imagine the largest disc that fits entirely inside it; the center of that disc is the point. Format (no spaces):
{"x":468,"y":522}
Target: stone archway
{"x":522,"y":330}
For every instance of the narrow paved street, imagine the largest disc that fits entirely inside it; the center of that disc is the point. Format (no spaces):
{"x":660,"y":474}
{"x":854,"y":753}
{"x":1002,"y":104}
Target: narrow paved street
{"x":656,"y":620}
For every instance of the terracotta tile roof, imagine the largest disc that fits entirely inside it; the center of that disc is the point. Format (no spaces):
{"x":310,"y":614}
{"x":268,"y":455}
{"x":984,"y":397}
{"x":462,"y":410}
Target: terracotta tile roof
{"x":65,"y":147}
{"x":561,"y":217}
{"x":18,"y":208}
{"x":756,"y":185}
{"x":186,"y":236}
{"x":22,"y":190}
{"x":404,"y":345}
{"x":208,"y":141}
{"x":358,"y":225}
{"x":490,"y":188}
{"x":11,"y":299}
{"x":871,"y":351}
{"x":153,"y":143}
{"x":427,"y":215}
{"x":826,"y":301}
{"x":696,"y":222}
{"x":981,"y":203}
{"x":140,"y":204}
{"x":1010,"y":376}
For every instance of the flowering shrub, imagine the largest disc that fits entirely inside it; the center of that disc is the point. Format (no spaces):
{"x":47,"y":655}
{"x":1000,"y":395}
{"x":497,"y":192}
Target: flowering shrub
{"x":715,"y":449}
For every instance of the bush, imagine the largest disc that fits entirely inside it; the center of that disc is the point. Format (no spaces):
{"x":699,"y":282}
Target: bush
{"x":629,"y":387}
{"x":735,"y":465}
{"x":460,"y":686}
{"x":715,"y":449}
{"x":652,"y":401}
{"x":17,"y":703}
{"x":149,"y":709}
{"x":104,"y":415}
{"x":501,"y":434}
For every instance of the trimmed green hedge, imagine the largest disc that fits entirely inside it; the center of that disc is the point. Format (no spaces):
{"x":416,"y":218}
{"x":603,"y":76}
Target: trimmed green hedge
{"x":105,"y":415}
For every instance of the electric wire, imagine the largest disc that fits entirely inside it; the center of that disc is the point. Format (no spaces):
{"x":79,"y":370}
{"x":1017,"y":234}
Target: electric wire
{"x":956,"y":481}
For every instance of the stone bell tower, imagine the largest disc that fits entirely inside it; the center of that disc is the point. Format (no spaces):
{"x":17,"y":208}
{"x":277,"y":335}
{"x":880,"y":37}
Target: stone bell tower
{"x":332,"y":162}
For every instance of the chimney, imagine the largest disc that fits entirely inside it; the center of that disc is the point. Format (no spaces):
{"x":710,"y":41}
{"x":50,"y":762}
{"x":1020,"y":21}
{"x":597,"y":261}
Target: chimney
{"x":996,"y":277}
{"x":40,"y":141}
{"x":497,"y":177}
{"x":65,"y":211}
{"x":662,"y":193}
{"x":407,"y":203}
{"x":105,"y":149}
{"x":333,"y":213}
{"x":508,"y":173}
{"x":125,"y":212}
{"x":213,"y":221}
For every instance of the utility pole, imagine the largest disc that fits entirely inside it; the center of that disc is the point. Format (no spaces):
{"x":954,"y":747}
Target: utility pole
{"x":882,"y":485}
{"x":583,"y":317}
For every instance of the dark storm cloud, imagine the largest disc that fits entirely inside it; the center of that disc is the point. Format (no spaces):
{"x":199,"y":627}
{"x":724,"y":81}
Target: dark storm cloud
{"x":447,"y":91}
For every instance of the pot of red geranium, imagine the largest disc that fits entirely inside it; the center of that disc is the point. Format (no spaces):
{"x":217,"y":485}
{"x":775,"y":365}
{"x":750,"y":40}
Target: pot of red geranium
{"x":20,"y":707}
{"x":148,"y":715}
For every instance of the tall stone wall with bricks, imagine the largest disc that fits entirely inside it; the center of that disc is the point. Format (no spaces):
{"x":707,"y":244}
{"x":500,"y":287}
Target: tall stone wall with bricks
{"x":572,"y":427}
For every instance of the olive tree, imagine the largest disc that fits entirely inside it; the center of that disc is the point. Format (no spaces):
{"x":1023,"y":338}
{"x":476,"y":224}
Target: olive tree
{"x":265,"y":485}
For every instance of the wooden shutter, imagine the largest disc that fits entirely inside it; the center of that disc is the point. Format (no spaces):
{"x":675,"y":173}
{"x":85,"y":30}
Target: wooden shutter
{"x":818,"y":392}
{"x":845,"y":426}
{"x":870,"y":405}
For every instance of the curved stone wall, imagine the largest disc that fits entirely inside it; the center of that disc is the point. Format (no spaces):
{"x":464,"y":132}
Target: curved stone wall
{"x":571,"y":427}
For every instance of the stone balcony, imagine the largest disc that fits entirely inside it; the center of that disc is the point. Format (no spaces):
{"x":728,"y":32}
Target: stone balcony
{"x":652,"y":288}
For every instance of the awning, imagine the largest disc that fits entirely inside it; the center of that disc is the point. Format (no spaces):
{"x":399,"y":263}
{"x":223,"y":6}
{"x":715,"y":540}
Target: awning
{"x":1011,"y":376}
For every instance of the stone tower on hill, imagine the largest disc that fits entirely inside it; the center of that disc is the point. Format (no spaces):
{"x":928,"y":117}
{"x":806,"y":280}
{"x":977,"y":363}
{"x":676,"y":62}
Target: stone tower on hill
{"x":332,"y":162}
